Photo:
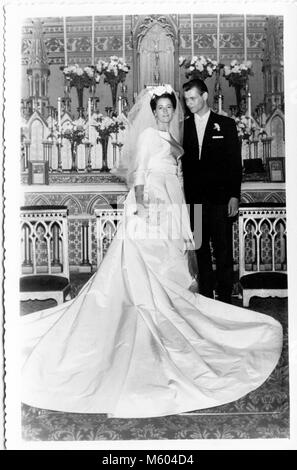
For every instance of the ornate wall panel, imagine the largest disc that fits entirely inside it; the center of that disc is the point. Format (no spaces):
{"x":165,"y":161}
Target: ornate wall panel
{"x":108,"y":41}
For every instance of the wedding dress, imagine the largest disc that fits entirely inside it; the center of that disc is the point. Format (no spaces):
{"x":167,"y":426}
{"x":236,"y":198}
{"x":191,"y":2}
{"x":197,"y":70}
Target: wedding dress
{"x":136,"y":342}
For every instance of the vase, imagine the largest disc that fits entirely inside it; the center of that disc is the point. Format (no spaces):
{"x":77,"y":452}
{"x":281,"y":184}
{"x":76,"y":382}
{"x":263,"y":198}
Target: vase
{"x":114,"y":88}
{"x":80,"y":98}
{"x":240,"y":99}
{"x":104,"y":143}
{"x":73,"y":156}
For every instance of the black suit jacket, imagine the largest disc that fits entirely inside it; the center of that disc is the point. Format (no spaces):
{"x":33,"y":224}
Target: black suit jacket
{"x":216,"y":176}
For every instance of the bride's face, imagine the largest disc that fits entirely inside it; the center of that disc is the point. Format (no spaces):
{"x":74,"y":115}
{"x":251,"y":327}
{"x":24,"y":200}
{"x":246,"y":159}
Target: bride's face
{"x":164,"y":110}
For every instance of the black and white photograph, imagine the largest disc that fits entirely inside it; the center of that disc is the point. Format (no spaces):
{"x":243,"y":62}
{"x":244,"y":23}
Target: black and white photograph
{"x":148,"y":225}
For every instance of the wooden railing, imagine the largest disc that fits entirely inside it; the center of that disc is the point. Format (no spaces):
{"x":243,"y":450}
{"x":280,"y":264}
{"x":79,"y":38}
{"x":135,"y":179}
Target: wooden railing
{"x":262,"y":238}
{"x":44,"y":239}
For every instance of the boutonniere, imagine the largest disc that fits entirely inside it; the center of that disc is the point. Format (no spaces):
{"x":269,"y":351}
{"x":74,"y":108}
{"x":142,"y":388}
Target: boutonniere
{"x":216,"y":127}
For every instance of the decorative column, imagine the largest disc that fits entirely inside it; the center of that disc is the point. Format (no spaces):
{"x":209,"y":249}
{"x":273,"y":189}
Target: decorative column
{"x":59,"y":148}
{"x":65,"y":41}
{"x":85,"y":265}
{"x":192,"y":35}
{"x":56,"y":246}
{"x":93,"y":42}
{"x":27,"y":265}
{"x":124,"y":38}
{"x":244,"y":38}
{"x":273,"y":66}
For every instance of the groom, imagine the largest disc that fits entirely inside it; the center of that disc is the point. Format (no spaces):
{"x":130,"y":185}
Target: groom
{"x":212,"y":177}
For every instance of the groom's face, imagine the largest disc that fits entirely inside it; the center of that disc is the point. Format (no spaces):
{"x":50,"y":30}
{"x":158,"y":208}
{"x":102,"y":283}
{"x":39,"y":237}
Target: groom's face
{"x":195,"y":100}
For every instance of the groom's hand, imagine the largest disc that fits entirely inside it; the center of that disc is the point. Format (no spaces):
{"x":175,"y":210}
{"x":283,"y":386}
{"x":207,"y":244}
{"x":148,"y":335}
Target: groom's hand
{"x":233,"y":207}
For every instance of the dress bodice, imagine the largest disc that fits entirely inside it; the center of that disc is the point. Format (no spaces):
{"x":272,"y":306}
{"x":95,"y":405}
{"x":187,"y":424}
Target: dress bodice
{"x":163,"y":159}
{"x":158,"y":153}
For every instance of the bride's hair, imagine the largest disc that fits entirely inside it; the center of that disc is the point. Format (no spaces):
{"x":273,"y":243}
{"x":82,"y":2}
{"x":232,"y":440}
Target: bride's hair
{"x":156,"y":98}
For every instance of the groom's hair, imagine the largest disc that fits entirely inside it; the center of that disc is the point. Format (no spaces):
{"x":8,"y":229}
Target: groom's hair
{"x":195,"y":83}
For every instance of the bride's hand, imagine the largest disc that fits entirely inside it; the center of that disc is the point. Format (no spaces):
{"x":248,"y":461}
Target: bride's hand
{"x":142,"y":211}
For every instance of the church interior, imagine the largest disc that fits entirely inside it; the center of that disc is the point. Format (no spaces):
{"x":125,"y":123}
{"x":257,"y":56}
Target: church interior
{"x":80,"y":77}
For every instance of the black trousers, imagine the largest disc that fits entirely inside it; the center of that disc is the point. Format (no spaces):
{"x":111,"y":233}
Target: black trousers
{"x":217,"y":228}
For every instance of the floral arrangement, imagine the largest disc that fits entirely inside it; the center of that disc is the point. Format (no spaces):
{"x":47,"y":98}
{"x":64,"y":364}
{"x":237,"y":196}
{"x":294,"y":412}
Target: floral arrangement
{"x":245,"y":129}
{"x":198,"y":66}
{"x":106,"y":125}
{"x":81,"y":77}
{"x":237,"y":73}
{"x":113,"y":70}
{"x":74,"y":133}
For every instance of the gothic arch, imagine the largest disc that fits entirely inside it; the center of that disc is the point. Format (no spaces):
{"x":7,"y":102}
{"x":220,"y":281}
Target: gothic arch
{"x":40,"y":201}
{"x":72,"y":204}
{"x":273,"y":198}
{"x":93,"y":202}
{"x":247,"y":198}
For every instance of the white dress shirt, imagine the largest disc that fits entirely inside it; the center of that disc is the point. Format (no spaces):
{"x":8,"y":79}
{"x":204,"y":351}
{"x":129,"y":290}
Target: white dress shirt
{"x":200,"y":123}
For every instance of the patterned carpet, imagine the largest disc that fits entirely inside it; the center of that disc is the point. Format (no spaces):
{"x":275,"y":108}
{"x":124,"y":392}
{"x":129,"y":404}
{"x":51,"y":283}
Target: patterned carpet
{"x":263,"y":413}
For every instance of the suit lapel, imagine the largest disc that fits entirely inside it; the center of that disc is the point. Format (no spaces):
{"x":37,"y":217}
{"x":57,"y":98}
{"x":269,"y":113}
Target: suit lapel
{"x":208,"y":132}
{"x":193,"y":134}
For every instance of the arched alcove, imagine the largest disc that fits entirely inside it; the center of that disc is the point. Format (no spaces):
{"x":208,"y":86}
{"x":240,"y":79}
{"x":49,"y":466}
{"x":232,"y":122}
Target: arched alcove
{"x":156,"y":51}
{"x":277,"y":132}
{"x":156,"y":57}
{"x":37,"y":136}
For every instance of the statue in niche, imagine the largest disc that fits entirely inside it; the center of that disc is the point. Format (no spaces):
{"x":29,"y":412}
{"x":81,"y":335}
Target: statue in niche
{"x":157,"y":64}
{"x":156,"y":57}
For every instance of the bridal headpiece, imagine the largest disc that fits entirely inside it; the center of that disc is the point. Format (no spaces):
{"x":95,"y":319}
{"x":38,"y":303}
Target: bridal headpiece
{"x":160,"y":90}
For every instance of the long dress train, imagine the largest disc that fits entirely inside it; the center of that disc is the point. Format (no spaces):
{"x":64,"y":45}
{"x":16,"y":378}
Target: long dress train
{"x":136,"y":342}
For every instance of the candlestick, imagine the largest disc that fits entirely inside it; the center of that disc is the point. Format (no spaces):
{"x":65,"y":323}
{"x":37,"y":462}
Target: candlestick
{"x":59,"y":118}
{"x":244,"y":38}
{"x":192,"y":35}
{"x":218,"y":39}
{"x":93,"y":41}
{"x":124,"y":38}
{"x":65,"y":42}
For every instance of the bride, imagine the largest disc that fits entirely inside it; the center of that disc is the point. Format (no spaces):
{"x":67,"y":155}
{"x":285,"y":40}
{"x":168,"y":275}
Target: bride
{"x":136,"y":341}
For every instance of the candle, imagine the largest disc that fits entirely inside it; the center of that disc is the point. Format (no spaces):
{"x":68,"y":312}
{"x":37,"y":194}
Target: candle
{"x":249,"y":108}
{"x":124,"y":38}
{"x":220,"y":104}
{"x":192,"y":35}
{"x":93,"y":41}
{"x":218,"y":39}
{"x":89,"y":115}
{"x":59,"y":118}
{"x":120,"y":105}
{"x":65,"y":42}
{"x":244,"y":38}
